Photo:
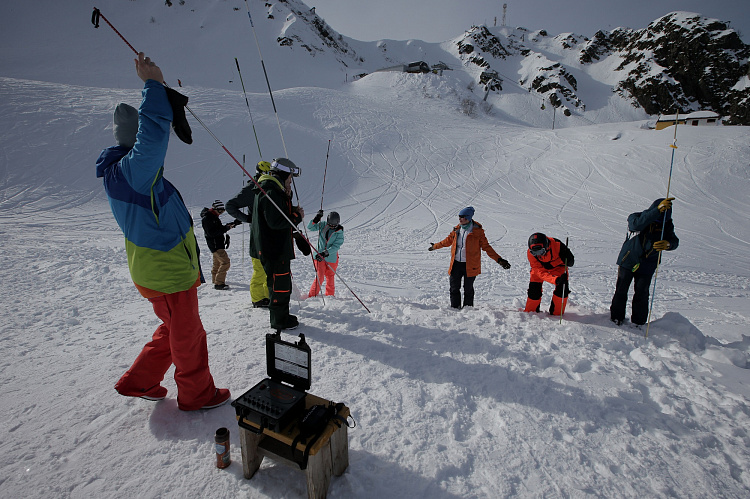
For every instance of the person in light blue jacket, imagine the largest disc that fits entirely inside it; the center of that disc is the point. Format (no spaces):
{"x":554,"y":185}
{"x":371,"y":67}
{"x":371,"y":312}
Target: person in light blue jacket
{"x":330,"y":239}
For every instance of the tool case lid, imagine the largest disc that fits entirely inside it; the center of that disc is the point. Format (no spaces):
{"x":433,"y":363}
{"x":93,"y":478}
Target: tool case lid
{"x":288,"y":362}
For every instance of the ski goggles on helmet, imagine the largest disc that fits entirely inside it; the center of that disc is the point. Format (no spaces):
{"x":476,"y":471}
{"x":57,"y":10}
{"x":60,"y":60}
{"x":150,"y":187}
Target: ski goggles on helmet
{"x":537,"y":249}
{"x":286,"y":166}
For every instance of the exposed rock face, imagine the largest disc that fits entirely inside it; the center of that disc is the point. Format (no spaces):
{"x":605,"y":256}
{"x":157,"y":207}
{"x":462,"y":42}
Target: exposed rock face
{"x":680,"y":62}
{"x":700,"y":61}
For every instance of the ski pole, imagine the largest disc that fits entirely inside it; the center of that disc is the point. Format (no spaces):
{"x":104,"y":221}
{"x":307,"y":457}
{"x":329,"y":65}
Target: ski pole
{"x":278,"y":120}
{"x":664,"y":221}
{"x":565,"y":287}
{"x":325,"y":170}
{"x":265,"y":73}
{"x":273,"y":102}
{"x":248,"y":107}
{"x":95,"y":21}
{"x":275,"y":111}
{"x":347,"y":286}
{"x":317,"y":279}
{"x":243,"y":225}
{"x":312,"y":257}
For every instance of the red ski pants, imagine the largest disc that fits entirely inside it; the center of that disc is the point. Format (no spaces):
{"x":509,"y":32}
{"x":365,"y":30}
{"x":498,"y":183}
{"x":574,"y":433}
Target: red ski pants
{"x":325,"y":273}
{"x":179,"y":340}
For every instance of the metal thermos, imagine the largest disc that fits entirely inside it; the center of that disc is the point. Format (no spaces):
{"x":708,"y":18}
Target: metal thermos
{"x":221,"y":438}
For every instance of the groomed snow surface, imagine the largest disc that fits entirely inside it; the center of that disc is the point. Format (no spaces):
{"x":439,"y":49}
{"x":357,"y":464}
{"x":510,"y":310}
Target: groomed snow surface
{"x":484,"y":402}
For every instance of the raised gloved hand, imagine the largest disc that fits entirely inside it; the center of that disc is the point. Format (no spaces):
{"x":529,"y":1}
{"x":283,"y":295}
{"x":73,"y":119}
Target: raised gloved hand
{"x":180,"y":123}
{"x":318,"y":216}
{"x":563,"y":279}
{"x":665,"y":205}
{"x":432,"y":247}
{"x":661,"y":245}
{"x":503,"y":263}
{"x":321,"y":256}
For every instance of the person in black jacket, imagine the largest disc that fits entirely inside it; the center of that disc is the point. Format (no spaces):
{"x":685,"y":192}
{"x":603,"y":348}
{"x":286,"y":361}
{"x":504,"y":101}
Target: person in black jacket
{"x":639,"y":258}
{"x":246,"y":199}
{"x":217,"y":240}
{"x":274,"y":219}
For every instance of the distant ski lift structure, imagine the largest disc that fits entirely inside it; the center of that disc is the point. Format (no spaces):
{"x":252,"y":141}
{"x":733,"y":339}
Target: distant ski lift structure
{"x":440,"y":67}
{"x":412,"y":67}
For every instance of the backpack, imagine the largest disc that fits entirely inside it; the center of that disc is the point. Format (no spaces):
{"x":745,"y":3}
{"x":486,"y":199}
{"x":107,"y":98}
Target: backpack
{"x":631,"y":252}
{"x":313,"y":424}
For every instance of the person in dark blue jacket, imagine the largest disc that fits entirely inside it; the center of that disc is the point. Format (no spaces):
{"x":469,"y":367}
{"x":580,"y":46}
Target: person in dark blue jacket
{"x":161,"y":247}
{"x":651,"y":232}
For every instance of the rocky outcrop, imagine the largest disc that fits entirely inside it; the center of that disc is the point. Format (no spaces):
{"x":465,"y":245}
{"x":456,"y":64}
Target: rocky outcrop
{"x":699,"y":61}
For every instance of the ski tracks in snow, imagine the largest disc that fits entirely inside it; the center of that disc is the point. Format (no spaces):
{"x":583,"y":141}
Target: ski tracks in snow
{"x":490,"y":378}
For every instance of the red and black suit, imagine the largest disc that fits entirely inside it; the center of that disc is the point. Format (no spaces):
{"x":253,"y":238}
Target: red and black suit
{"x":550,"y":267}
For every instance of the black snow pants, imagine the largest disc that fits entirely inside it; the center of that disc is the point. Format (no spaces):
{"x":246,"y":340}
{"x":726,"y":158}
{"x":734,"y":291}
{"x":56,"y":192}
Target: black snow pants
{"x":458,"y":272}
{"x":639,"y":314}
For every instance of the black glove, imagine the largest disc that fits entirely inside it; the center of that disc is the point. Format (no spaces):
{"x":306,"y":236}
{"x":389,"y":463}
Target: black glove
{"x":432,"y":247}
{"x":179,"y":121}
{"x":503,"y":263}
{"x":236,"y":222}
{"x":563,"y":279}
{"x":227,"y":240}
{"x":318,"y":216}
{"x":301,"y":243}
{"x":321,"y":256}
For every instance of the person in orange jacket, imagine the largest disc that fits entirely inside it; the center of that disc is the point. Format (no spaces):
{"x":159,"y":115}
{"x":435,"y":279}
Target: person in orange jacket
{"x":466,"y":240}
{"x":549,"y":259}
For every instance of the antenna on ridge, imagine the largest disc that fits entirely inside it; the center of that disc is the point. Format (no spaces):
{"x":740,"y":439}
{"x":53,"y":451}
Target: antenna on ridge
{"x":505,"y":9}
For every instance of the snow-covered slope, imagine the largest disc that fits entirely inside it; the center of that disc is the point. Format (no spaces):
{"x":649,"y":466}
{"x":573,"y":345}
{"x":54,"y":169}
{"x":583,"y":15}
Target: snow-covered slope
{"x":484,"y":402}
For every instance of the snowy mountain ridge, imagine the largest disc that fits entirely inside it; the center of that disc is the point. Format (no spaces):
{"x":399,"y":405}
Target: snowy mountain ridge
{"x":680,"y":62}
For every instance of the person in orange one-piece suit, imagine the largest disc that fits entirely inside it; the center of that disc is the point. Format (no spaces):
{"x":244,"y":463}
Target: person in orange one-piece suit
{"x":549,"y":259}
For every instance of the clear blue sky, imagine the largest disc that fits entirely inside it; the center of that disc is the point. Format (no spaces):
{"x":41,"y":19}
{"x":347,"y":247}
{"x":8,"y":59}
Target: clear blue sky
{"x":440,"y":20}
